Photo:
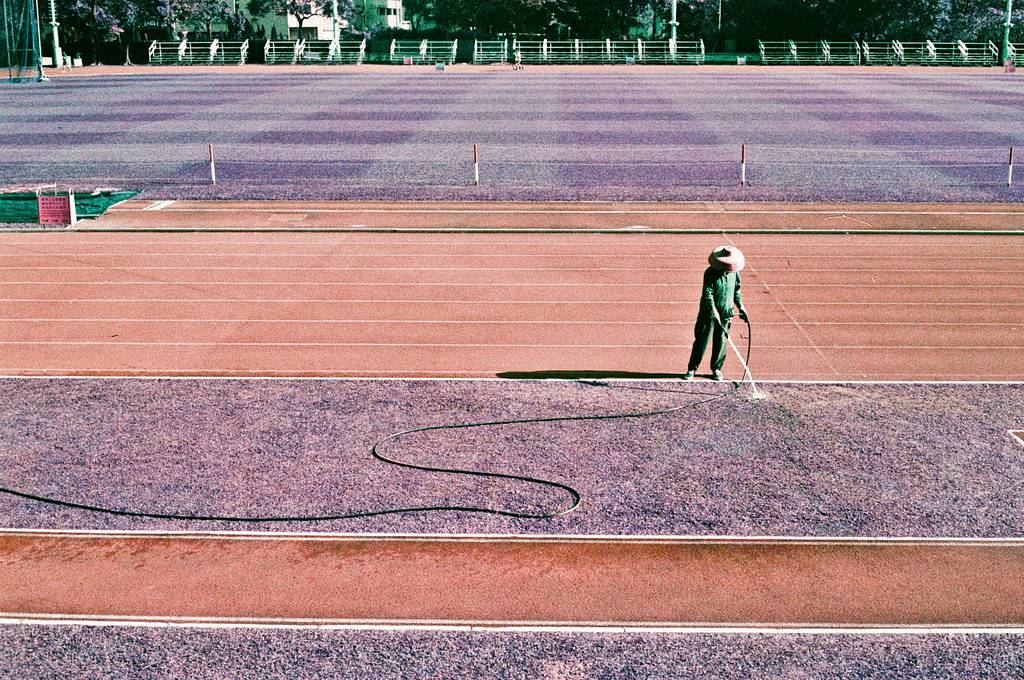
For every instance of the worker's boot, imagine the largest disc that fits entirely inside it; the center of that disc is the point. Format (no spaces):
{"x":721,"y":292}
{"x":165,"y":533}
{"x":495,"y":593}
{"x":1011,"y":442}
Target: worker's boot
{"x":716,"y":375}
{"x":688,"y":375}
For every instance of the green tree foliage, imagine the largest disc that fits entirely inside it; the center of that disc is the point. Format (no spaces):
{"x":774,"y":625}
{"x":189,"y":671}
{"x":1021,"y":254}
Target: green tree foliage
{"x":87,"y":25}
{"x":418,"y":11}
{"x":200,"y":12}
{"x":508,"y":16}
{"x":300,"y":9}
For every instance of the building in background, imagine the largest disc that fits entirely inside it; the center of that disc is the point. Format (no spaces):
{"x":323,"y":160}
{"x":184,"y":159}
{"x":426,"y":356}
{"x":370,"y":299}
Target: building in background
{"x":375,"y":15}
{"x":368,"y":16}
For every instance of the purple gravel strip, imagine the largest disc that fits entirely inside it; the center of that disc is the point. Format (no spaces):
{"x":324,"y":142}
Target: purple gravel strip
{"x":111,"y":652}
{"x":828,"y":460}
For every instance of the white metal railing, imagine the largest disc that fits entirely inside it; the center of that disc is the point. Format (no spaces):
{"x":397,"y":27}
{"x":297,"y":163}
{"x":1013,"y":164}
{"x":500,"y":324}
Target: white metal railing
{"x":592,"y":51}
{"x":658,"y":52}
{"x":439,"y":51}
{"x":230,"y":52}
{"x":167,"y":52}
{"x":690,"y":51}
{"x":978,"y":53}
{"x":620,"y":51}
{"x":413,"y":50}
{"x":281,"y":51}
{"x":561,"y":51}
{"x":841,"y":52}
{"x":777,"y":52}
{"x":887,"y":53}
{"x":490,"y":51}
{"x":530,"y":51}
{"x":316,"y":52}
{"x":348,"y":52}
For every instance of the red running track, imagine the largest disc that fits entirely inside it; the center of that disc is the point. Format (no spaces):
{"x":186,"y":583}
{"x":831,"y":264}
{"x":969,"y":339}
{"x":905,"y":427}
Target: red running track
{"x":824,"y":307}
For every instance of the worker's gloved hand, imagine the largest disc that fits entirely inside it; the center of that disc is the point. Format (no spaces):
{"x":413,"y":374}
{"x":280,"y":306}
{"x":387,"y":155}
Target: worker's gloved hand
{"x":743,"y":315}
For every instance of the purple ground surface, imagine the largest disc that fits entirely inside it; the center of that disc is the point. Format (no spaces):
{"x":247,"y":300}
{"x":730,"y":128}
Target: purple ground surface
{"x":71,"y":651}
{"x":826,"y":460}
{"x":913,"y":135}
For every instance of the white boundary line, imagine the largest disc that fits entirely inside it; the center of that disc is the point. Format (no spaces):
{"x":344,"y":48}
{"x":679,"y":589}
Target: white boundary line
{"x":345,"y":238}
{"x":474,"y":284}
{"x":504,"y":626}
{"x":687,"y":539}
{"x":760,"y":272}
{"x":539,"y":345}
{"x":562,"y":211}
{"x":493,"y":322}
{"x":632,"y":303}
{"x":766,"y":381}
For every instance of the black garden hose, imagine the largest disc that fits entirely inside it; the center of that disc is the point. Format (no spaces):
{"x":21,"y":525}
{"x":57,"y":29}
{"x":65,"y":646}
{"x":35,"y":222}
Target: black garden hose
{"x":573,"y":500}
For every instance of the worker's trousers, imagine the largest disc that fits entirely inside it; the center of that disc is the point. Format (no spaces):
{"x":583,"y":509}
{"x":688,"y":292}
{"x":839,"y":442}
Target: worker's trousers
{"x":706,"y":329}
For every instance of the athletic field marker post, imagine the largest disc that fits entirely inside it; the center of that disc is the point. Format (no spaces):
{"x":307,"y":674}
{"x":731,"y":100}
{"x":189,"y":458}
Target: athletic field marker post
{"x":1009,"y":170}
{"x":213,"y":167}
{"x":743,"y":165}
{"x":476,"y":166}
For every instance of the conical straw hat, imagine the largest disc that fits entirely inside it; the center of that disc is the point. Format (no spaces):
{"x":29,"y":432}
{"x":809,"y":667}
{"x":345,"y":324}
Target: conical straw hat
{"x":726,"y":259}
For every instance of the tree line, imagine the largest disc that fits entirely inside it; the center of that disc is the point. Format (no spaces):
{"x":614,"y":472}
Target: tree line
{"x":87,"y":25}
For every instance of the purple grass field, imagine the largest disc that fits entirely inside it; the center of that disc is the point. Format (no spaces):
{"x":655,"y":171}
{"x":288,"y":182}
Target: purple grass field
{"x":115,"y":652}
{"x":812,"y":460}
{"x":895,"y":134}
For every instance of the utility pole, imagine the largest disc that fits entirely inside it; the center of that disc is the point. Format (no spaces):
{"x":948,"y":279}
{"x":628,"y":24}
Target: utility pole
{"x":1006,"y":30}
{"x":334,"y":19}
{"x":58,"y":58}
{"x":39,"y":43}
{"x":674,"y":22}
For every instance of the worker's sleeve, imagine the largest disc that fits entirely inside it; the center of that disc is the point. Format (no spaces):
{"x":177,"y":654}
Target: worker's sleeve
{"x":737,"y":298}
{"x":707,"y":297}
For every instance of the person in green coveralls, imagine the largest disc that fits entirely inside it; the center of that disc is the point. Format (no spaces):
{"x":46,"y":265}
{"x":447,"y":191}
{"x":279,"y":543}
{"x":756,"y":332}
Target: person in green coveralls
{"x":720,"y":294}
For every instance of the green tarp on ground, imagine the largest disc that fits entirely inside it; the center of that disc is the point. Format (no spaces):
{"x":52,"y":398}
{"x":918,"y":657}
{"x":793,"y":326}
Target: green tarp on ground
{"x":21,"y":207}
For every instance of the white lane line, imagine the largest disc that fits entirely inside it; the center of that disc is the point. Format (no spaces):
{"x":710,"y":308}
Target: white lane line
{"x":158,"y":205}
{"x":679,"y":270}
{"x":388,"y":376}
{"x":618,"y":240}
{"x":381,"y":301}
{"x":474,"y":284}
{"x":504,"y":626}
{"x":793,"y":320}
{"x":163,"y":343}
{"x":687,"y":539}
{"x":157,"y":343}
{"x":563,"y":211}
{"x":500,"y":322}
{"x":325,"y":301}
{"x":761,"y":271}
{"x":846,"y":256}
{"x":468,"y":376}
